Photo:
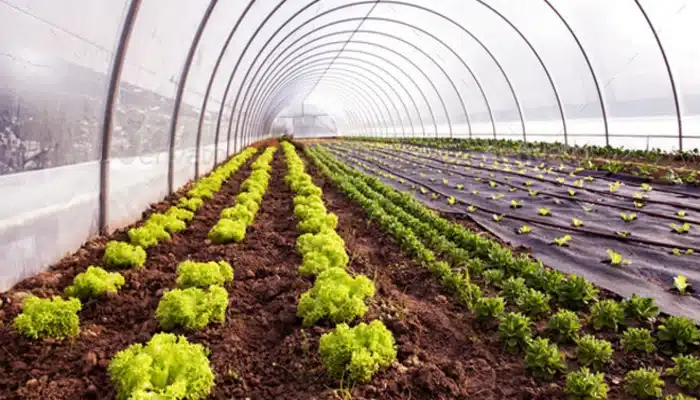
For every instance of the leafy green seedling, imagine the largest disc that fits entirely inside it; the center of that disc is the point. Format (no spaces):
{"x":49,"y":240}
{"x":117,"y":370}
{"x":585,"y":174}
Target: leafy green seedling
{"x":471,"y":209}
{"x":475,"y":192}
{"x":646,"y":187}
{"x":524,"y":229}
{"x":477,"y":179}
{"x":433,"y":179}
{"x":616,"y":258}
{"x":444,"y":181}
{"x":628,"y":217}
{"x":540,"y":177}
{"x":572,"y":192}
{"x":589,"y":179}
{"x":451,"y":200}
{"x":532,"y":193}
{"x":577,"y":223}
{"x":497,"y":196}
{"x":460,"y":186}
{"x":680,"y":229}
{"x":512,"y":190}
{"x":516,"y":203}
{"x":561,"y":181}
{"x":681,"y":213}
{"x":493,"y":184}
{"x":615,"y":186}
{"x":498,"y":218}
{"x":544,"y":211}
{"x":528,"y":183}
{"x":578,"y":183}
{"x":623,"y":234}
{"x":681,"y":283}
{"x":557,"y":201}
{"x":562,"y":241}
{"x":587,"y":208}
{"x":424,"y":190}
{"x":639,"y":204}
{"x":639,"y":196}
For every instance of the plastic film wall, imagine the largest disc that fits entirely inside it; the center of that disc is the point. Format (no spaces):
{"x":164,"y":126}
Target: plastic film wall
{"x":108,"y":105}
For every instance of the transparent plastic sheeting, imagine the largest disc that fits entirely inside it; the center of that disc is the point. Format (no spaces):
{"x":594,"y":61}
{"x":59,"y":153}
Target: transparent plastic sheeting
{"x":132,"y":98}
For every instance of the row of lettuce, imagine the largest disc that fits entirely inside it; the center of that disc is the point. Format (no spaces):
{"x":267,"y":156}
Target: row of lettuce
{"x":642,"y":163}
{"x":168,"y":366}
{"x":530,"y":290}
{"x":57,"y":317}
{"x":354,"y":353}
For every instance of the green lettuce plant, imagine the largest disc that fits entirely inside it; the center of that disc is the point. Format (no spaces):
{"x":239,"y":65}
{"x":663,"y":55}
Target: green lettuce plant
{"x":192,"y":308}
{"x":489,"y":307}
{"x":94,"y":282}
{"x":227,"y":231}
{"x":686,"y":369}
{"x":607,"y":314}
{"x":335,"y":296}
{"x":644,"y":383}
{"x":638,"y":340}
{"x":515,"y":330}
{"x":564,"y":325}
{"x":592,"y":352}
{"x":585,"y":385}
{"x":169,"y":222}
{"x":678,"y":335}
{"x":359,"y":352}
{"x":203,"y":274}
{"x":192,"y":204}
{"x":150,"y":234}
{"x":167,"y":367}
{"x":180,"y":213}
{"x":49,"y":318}
{"x":124,"y":255}
{"x":543,"y":358}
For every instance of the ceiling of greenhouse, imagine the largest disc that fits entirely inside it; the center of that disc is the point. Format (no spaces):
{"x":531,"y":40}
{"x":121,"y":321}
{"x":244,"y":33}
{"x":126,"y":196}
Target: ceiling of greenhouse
{"x":193,"y":72}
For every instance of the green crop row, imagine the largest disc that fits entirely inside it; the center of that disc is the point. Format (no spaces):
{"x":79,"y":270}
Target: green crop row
{"x":525,"y":284}
{"x":642,"y":163}
{"x":358,"y":352}
{"x":234,"y":221}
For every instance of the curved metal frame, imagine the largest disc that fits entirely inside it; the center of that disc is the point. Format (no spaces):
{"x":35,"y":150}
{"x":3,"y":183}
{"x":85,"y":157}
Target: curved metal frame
{"x":181,"y":90}
{"x":110,"y":106}
{"x":375,"y":65}
{"x":310,"y":71}
{"x":388,"y":62}
{"x":372,"y":32}
{"x":674,"y":90}
{"x":267,"y":43}
{"x":212,"y":76}
{"x":277,"y":62}
{"x":596,"y":82}
{"x":463,"y":29}
{"x":359,"y":105}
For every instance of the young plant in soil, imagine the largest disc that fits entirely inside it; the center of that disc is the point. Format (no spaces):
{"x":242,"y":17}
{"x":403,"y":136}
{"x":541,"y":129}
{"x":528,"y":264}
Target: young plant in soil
{"x":616,"y":259}
{"x":544,"y":211}
{"x":564,"y":325}
{"x":607,"y":314}
{"x":576,"y":223}
{"x":681,"y":284}
{"x":638,"y":340}
{"x":54,"y":318}
{"x":686,"y":370}
{"x":94,"y":282}
{"x":524,"y":229}
{"x":544,"y":359}
{"x":124,"y":255}
{"x":192,"y":308}
{"x":335,"y":296}
{"x":628,"y":217}
{"x":644,"y":383}
{"x":489,"y":307}
{"x":168,"y":366}
{"x":562,"y":241}
{"x":498,"y":218}
{"x":584,"y":385}
{"x":516,"y":203}
{"x":515,"y":330}
{"x":678,"y":335}
{"x":593,"y":352}
{"x":357,"y":353}
{"x":681,"y":229}
{"x":642,"y":309}
{"x":203,"y":274}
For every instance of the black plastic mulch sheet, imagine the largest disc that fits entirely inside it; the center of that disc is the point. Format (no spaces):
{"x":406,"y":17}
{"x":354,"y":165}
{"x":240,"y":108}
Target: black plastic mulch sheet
{"x":649,"y":247}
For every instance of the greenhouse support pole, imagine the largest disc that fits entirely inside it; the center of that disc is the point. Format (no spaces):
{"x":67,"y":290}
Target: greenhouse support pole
{"x":110,"y":105}
{"x":674,"y":90}
{"x":180,"y":90}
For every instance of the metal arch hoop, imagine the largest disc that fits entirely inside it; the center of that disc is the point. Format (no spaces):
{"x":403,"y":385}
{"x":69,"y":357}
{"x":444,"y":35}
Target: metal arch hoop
{"x":372,"y":32}
{"x":212,"y":76}
{"x":367,"y":70}
{"x":245,"y":78}
{"x":539,"y":59}
{"x":180,"y":91}
{"x":398,"y":54}
{"x":110,"y":105}
{"x":674,"y":89}
{"x":466,"y":31}
{"x":357,"y":122}
{"x":381,"y":58}
{"x":372,"y":107}
{"x":360,"y":106}
{"x":601,"y":100}
{"x":398,"y":82}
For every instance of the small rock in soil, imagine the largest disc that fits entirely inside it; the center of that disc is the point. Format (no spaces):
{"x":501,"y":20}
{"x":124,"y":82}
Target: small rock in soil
{"x":249,"y":274}
{"x":91,"y":358}
{"x":32,"y":383}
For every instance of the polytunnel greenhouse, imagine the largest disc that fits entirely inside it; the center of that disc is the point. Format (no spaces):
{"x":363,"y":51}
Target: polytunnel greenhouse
{"x":335,"y":199}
